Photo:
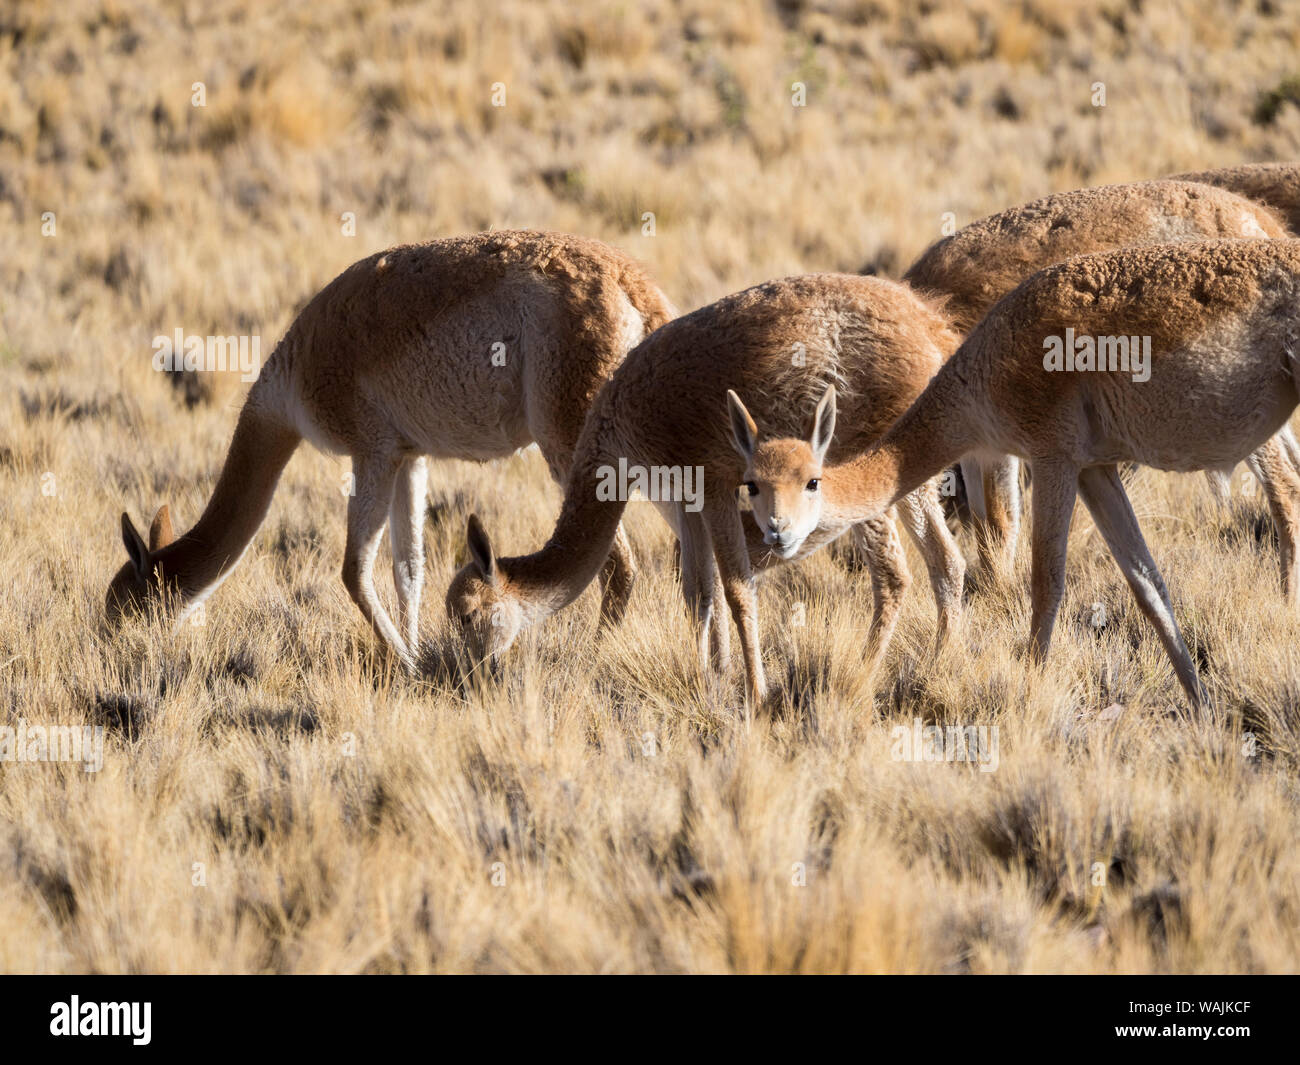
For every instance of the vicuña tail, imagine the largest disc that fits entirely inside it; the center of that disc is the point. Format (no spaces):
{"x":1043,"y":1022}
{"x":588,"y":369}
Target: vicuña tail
{"x":649,"y":302}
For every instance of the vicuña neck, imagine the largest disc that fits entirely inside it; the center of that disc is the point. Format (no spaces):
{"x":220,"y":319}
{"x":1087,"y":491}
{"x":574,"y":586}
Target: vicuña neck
{"x":930,"y":436}
{"x":196,"y":562}
{"x":555,"y":576}
{"x":862,"y":488}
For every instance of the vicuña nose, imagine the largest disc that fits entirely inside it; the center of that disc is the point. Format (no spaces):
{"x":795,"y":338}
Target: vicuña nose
{"x":777,"y":524}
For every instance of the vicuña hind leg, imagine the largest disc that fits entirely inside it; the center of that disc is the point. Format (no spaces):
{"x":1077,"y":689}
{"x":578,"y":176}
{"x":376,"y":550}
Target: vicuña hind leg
{"x":1276,"y":466}
{"x":702,"y":588}
{"x":1104,"y":496}
{"x":879,"y":544}
{"x":1272,"y":466}
{"x":732,"y":554}
{"x":367,"y":514}
{"x":1055,"y":487}
{"x":617,"y":576}
{"x":1001,"y":532}
{"x":922,"y":515}
{"x":406,"y":538}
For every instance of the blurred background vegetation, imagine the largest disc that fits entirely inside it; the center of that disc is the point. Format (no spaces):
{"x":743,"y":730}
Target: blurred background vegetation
{"x":225,"y":218}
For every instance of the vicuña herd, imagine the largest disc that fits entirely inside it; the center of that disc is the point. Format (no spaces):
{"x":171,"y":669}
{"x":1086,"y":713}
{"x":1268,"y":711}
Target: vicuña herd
{"x":1157,"y":323}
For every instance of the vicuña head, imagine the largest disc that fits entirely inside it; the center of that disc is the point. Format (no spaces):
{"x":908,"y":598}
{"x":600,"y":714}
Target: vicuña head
{"x":480,"y":601}
{"x":139,"y":581}
{"x":783,"y":476}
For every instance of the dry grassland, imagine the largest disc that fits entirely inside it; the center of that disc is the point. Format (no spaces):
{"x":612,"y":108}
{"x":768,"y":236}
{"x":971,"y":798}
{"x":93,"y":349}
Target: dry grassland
{"x":272,"y":800}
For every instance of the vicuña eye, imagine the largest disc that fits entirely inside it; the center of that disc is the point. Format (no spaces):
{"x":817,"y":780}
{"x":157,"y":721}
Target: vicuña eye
{"x":751,"y":487}
{"x":813,"y":484}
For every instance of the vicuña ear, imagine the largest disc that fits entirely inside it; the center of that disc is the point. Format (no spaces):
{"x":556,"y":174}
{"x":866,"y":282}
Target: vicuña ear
{"x":160,"y":532}
{"x":744,"y":433}
{"x":823,"y":430}
{"x":480,"y":549}
{"x":135,"y":547}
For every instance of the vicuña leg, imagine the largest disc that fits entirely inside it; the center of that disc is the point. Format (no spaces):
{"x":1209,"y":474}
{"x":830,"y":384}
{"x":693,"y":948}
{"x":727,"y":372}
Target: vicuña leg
{"x":1055,"y":487}
{"x":887,"y":563}
{"x":1272,"y":466}
{"x":1001,"y":532}
{"x":1290,"y":446}
{"x":719,"y":624}
{"x":972,"y":477}
{"x":922,"y":515}
{"x":367,"y":514}
{"x":406,"y":539}
{"x":1220,"y":482}
{"x":1104,"y":496}
{"x":702,"y":588}
{"x":617,"y":577}
{"x":732,"y":554}
{"x":1276,"y":466}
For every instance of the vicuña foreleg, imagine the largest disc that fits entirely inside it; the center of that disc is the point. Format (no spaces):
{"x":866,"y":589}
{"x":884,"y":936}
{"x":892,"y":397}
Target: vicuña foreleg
{"x":732,"y":555}
{"x":922,"y":515}
{"x":368,"y":510}
{"x":406,"y":539}
{"x":1001,"y":533}
{"x":1055,"y":488}
{"x":702,"y":587}
{"x":887,"y":563}
{"x":617,"y":576}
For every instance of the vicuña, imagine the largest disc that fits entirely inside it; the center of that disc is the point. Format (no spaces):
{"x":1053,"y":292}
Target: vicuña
{"x":778,"y":345}
{"x":1224,"y":322}
{"x":468,"y":348}
{"x":982,"y":262}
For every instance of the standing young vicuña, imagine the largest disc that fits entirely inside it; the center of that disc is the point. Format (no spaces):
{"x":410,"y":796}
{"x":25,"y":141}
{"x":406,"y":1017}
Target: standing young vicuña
{"x":982,"y":262}
{"x":778,"y":345}
{"x":1223,"y":319}
{"x":469,"y":348}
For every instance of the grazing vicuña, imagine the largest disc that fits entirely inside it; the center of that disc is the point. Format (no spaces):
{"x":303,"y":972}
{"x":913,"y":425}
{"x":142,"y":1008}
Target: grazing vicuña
{"x":778,"y":345}
{"x":1223,"y":323}
{"x":469,"y":348}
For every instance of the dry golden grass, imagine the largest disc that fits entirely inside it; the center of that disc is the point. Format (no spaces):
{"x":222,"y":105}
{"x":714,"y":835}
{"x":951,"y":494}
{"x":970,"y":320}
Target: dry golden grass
{"x":602,"y":809}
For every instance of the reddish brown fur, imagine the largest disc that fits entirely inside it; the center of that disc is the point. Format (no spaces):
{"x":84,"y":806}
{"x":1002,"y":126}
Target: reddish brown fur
{"x":980,"y":263}
{"x":1224,"y":322}
{"x":666,"y":405}
{"x":393,"y":360}
{"x":1274,"y":184}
